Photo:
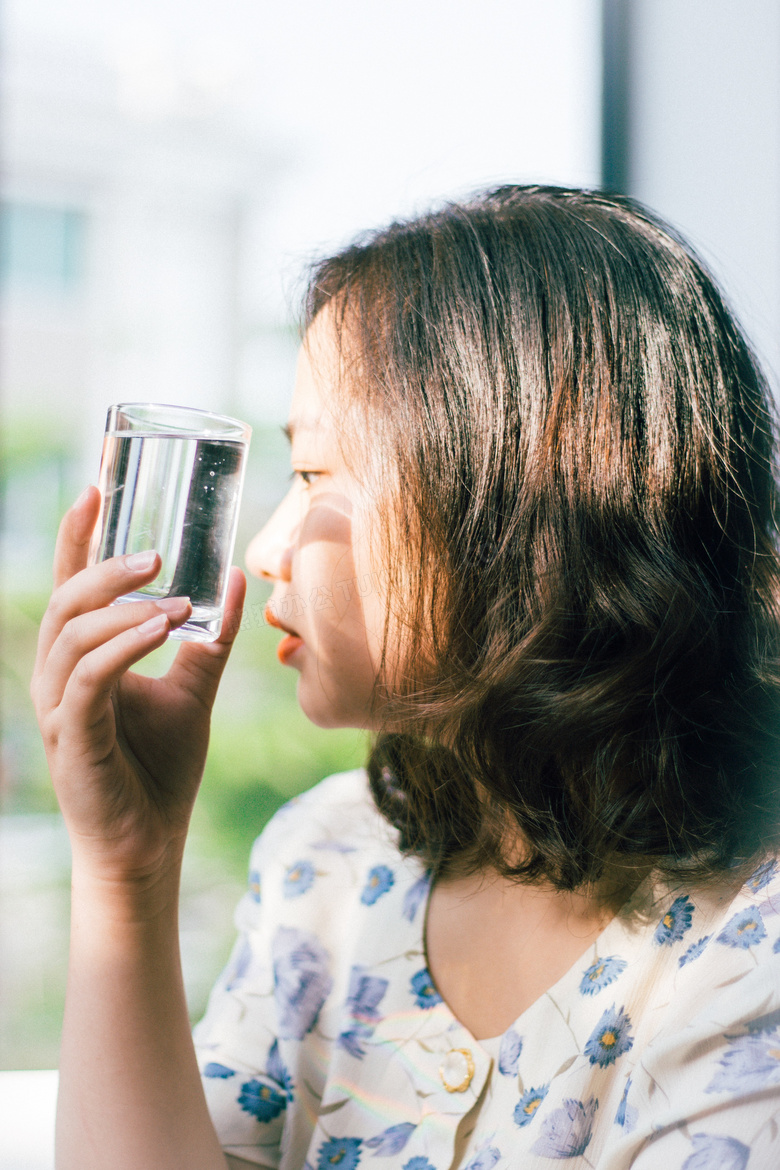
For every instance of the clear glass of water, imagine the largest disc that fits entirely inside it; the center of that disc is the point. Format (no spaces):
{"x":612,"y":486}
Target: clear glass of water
{"x":170,"y":480}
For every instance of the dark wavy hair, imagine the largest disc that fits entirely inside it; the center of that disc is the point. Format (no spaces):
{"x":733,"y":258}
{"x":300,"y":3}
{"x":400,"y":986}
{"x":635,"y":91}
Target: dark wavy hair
{"x":574,"y":466}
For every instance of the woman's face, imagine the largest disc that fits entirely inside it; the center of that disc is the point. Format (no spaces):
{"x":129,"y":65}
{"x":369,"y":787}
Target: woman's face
{"x":326,"y":591}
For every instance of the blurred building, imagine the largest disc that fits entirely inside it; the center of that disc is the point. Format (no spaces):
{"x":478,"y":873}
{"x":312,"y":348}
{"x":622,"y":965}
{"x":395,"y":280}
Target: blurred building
{"x":129,"y":207}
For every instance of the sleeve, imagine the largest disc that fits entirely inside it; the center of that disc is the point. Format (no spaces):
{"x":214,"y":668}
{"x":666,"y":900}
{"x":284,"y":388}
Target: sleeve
{"x":237,"y":1043}
{"x":263,"y":1044}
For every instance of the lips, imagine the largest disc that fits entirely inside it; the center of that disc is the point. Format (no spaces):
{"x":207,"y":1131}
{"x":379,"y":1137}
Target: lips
{"x":273,"y":620}
{"x":287,"y":647}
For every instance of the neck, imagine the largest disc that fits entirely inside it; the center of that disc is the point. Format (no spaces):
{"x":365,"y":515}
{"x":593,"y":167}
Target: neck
{"x":532,"y":933}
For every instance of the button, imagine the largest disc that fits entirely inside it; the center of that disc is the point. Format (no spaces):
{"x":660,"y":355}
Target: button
{"x":456,"y":1070}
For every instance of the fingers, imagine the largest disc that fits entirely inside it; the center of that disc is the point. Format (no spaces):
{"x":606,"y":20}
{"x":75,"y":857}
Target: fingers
{"x":234,"y":607}
{"x":91,"y":589}
{"x":94,"y":676}
{"x":198,"y":666}
{"x":74,"y":535}
{"x":85,"y":634}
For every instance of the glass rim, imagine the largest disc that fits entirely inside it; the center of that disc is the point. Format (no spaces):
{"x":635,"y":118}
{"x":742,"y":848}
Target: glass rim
{"x":173,"y":417}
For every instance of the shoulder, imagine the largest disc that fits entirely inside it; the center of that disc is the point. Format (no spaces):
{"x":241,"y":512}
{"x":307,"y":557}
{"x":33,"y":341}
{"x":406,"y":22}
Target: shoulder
{"x":337,"y":815}
{"x":323,"y":851}
{"x":676,"y":1027}
{"x":731,"y":965}
{"x":712,"y":946}
{"x":718,"y":999}
{"x":732,"y":929}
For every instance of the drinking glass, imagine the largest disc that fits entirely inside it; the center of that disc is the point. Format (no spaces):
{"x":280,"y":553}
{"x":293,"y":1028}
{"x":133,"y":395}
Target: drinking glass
{"x":170,"y":480}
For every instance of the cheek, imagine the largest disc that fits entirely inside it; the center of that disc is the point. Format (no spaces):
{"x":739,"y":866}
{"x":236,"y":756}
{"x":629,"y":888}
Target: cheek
{"x":338,"y":676}
{"x":322,"y":574}
{"x":344,"y":607}
{"x":323,"y":563}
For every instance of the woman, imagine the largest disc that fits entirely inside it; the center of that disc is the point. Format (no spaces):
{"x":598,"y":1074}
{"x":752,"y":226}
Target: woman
{"x":532,"y":545}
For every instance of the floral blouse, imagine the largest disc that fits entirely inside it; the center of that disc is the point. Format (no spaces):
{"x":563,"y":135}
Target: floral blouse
{"x":326,"y":1046}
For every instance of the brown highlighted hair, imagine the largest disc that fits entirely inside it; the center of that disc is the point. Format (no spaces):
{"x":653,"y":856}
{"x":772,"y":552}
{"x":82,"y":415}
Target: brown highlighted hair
{"x":573,"y":459}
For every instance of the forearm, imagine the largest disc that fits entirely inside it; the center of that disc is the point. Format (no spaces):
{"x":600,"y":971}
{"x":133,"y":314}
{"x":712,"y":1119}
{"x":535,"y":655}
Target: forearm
{"x":130,"y":1092}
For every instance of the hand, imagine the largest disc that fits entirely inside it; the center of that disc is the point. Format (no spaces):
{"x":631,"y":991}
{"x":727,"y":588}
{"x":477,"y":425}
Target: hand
{"x":126,"y":752}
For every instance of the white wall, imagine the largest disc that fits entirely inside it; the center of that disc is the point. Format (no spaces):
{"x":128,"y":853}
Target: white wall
{"x":704,"y":115}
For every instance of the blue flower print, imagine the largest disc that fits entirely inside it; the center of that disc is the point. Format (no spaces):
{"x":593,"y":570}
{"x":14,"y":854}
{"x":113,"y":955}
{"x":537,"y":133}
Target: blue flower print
{"x":343,"y":1153}
{"x":424,"y":992}
{"x":526,"y":1107}
{"x":626,"y":1115}
{"x":302,"y":981}
{"x":485,"y":1159}
{"x":675,"y":922}
{"x":353,"y":1038}
{"x":279,"y":1071}
{"x":379,"y":881}
{"x":762,"y":876}
{"x":415,"y":896}
{"x":567,"y":1131}
{"x":751,"y":1063}
{"x":610,"y":1038}
{"x":418,"y":1163}
{"x":762,"y":1023}
{"x":713,"y":1151}
{"x":392,"y":1140}
{"x":694,"y":950}
{"x":744,"y":930}
{"x":212,"y":1069}
{"x":601,"y":974}
{"x":261,"y":1100}
{"x":298,"y":879}
{"x":255,"y":886}
{"x":776,"y":947}
{"x":509,"y":1053}
{"x":364,"y":995}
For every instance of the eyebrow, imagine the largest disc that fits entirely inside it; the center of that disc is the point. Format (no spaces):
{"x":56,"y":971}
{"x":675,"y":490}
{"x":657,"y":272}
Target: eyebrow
{"x":290,"y":429}
{"x":297,"y":427}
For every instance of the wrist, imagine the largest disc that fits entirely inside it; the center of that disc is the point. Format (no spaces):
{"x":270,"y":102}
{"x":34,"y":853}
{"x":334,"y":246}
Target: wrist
{"x":125,"y":893}
{"x":131,"y":859}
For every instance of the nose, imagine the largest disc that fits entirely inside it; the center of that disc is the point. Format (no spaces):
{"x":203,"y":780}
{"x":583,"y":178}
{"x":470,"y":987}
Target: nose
{"x":269,"y":555}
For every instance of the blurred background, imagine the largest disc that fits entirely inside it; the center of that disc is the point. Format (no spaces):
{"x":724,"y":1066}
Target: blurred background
{"x":168,"y":170}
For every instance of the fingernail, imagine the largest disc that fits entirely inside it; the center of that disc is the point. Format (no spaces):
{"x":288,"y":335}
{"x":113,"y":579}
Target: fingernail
{"x":154,"y":626}
{"x":82,"y":497}
{"x":140,"y":562}
{"x":173,"y":605}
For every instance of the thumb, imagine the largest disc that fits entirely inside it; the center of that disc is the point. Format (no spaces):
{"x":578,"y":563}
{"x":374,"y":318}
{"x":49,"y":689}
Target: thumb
{"x":198,"y":666}
{"x":75,"y":532}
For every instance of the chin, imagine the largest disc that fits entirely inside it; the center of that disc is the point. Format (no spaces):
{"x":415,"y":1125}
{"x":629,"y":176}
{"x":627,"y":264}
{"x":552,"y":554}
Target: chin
{"x":321,"y":710}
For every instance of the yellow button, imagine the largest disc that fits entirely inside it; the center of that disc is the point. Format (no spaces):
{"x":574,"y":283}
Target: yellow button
{"x":456,"y":1070}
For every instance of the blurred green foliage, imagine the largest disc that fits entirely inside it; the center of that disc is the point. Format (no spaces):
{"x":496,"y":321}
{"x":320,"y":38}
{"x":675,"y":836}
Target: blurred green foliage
{"x":262,"y":751}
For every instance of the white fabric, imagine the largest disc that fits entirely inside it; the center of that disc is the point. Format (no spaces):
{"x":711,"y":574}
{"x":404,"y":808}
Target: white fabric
{"x":28,"y":1102}
{"x":326,"y":1045}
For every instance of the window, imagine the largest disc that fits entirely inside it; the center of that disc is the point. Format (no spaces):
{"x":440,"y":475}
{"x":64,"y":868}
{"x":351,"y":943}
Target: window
{"x":42,"y":249}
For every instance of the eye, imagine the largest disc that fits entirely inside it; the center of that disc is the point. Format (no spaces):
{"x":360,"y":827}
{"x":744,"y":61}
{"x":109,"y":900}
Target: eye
{"x":306,"y":476}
